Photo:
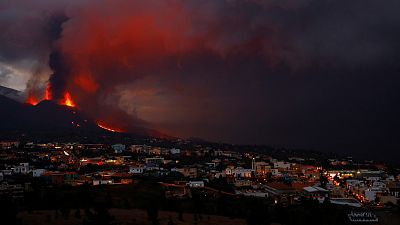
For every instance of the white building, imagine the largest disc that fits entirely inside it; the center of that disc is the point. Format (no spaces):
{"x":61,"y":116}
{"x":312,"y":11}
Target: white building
{"x":275,"y":172}
{"x":378,"y":184}
{"x":371,"y":193}
{"x":354,"y":183}
{"x":239,"y":172}
{"x":102,"y":182}
{"x":196,"y":184}
{"x":175,"y":151}
{"x":118,"y":148}
{"x":282,"y":165}
{"x":38,"y":172}
{"x":22,"y":168}
{"x":156,"y":161}
{"x":136,"y":170}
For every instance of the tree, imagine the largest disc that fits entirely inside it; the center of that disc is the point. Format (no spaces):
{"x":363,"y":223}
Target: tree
{"x":109,"y":202}
{"x":257,"y":216}
{"x":180,"y":214}
{"x":8,"y":211}
{"x":152,"y":214}
{"x":100,"y":216}
{"x":65,"y":211}
{"x":323,"y":180}
{"x":377,"y":199}
{"x":170,"y":222}
{"x":78,"y":213}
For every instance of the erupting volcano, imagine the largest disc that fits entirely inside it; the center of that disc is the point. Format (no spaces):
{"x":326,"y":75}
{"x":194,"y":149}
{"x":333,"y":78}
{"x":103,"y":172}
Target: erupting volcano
{"x":68,"y":100}
{"x":32,"y":100}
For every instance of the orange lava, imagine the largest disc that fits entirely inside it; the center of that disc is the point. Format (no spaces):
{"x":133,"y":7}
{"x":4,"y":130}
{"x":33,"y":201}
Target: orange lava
{"x":48,"y":95}
{"x":32,"y":100}
{"x":68,"y":100}
{"x":108,"y":128}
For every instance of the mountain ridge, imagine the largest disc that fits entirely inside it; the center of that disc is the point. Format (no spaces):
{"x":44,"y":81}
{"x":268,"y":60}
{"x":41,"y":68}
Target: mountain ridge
{"x":48,"y":116}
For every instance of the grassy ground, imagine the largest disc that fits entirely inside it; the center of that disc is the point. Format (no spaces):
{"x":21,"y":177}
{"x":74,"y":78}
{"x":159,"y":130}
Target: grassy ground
{"x":124,"y":217}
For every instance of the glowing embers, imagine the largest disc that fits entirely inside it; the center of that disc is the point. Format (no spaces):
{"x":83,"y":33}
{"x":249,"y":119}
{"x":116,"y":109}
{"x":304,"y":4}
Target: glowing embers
{"x":105,"y":127}
{"x":68,"y":100}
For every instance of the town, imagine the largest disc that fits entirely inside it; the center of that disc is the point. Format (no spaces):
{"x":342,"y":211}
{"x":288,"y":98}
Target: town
{"x":184,"y":169}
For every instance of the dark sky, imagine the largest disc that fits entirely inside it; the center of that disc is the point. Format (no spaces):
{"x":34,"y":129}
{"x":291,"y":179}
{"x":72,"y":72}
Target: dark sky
{"x":296,"y":73}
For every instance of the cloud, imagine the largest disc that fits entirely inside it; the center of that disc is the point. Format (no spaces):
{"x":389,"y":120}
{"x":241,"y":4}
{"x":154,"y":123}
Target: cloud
{"x":243,"y":71}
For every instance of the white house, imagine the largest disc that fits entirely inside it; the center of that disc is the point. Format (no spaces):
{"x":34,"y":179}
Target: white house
{"x":22,"y":168}
{"x":38,"y":172}
{"x":136,"y":170}
{"x":275,"y":172}
{"x":354,"y":183}
{"x":282,"y":165}
{"x":370,"y":194}
{"x":118,"y":148}
{"x":102,"y":182}
{"x":239,"y":172}
{"x":196,"y":184}
{"x":175,"y":151}
{"x":378,"y":184}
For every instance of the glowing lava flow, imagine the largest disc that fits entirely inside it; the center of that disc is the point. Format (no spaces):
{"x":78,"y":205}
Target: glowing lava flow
{"x":108,"y":128}
{"x":68,"y":100}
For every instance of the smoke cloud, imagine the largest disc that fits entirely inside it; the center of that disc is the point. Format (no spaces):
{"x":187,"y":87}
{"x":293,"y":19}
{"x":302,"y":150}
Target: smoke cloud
{"x":298,"y":72}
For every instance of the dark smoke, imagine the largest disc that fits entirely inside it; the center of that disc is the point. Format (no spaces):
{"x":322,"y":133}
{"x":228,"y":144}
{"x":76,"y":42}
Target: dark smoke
{"x":61,"y":72}
{"x":57,"y":61}
{"x":302,"y":73}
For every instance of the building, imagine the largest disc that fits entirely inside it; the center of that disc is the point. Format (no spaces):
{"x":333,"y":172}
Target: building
{"x":136,"y":170}
{"x":9,"y":144}
{"x":190,"y":172}
{"x":22,"y":168}
{"x":14,"y":190}
{"x":175,"y":151}
{"x":316,"y":192}
{"x":394,"y":189}
{"x":243,"y":183}
{"x":278,"y":188}
{"x":262,"y":168}
{"x":280,"y":192}
{"x":239,"y":172}
{"x":38,"y":172}
{"x":282,"y":165}
{"x":118,"y":148}
{"x":156,"y":161}
{"x":195,"y":184}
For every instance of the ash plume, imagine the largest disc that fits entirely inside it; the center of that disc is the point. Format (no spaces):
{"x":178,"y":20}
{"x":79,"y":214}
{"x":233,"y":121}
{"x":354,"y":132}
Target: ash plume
{"x":57,"y":61}
{"x":242,"y":71}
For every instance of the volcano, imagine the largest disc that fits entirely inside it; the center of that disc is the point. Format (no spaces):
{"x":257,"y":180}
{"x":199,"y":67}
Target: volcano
{"x":51,"y":117}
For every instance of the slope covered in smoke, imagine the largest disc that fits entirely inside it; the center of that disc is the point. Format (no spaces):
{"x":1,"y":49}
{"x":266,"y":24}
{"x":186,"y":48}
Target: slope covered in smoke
{"x":12,"y":94}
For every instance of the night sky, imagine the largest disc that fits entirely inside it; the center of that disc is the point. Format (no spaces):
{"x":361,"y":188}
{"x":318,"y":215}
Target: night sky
{"x":294,"y":73}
